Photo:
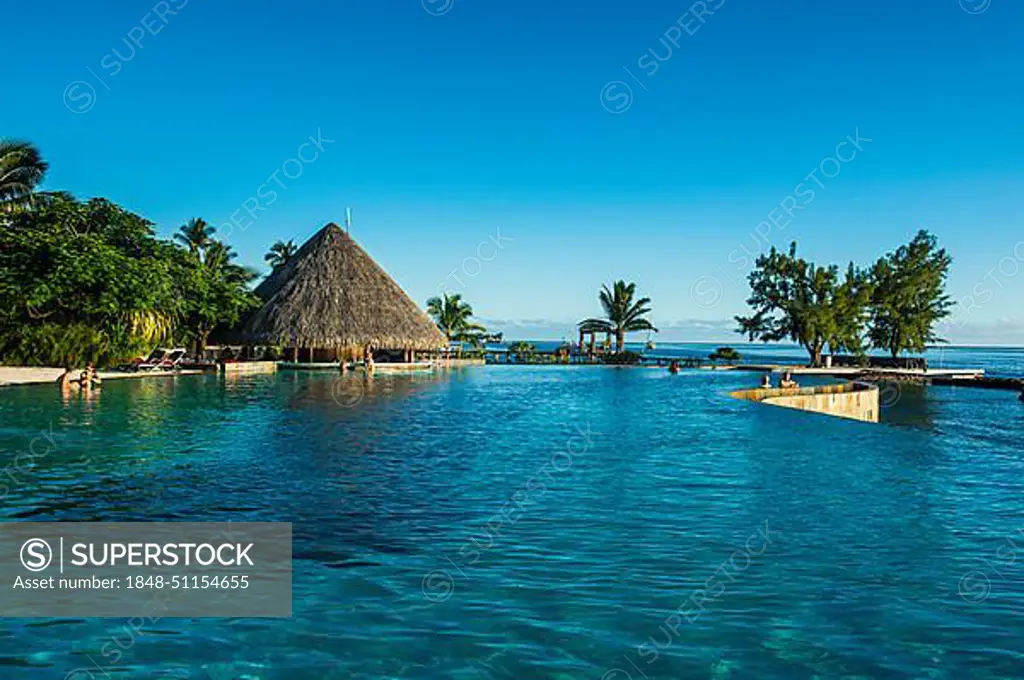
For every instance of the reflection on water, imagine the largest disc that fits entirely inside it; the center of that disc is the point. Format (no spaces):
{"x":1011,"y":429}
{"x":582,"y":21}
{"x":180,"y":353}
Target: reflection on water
{"x":440,"y":532}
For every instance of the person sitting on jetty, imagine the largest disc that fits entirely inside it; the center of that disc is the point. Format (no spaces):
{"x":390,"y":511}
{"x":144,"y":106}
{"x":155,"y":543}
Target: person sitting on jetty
{"x":787,"y":381}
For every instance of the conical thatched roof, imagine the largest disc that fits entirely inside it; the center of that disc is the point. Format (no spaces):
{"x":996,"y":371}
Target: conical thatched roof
{"x":331,"y":294}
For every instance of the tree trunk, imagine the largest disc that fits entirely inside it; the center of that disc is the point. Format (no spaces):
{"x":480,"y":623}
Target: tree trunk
{"x":620,"y":340}
{"x":815,"y":351}
{"x":201,"y":336}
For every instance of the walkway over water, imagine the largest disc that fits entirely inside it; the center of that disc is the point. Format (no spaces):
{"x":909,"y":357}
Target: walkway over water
{"x":858,"y":401}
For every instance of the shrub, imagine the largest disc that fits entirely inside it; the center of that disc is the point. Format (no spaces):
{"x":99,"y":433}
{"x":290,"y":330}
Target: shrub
{"x":726,"y":354}
{"x":624,"y":358}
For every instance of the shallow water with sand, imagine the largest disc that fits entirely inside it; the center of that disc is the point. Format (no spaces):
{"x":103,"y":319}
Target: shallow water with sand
{"x":546,"y":522}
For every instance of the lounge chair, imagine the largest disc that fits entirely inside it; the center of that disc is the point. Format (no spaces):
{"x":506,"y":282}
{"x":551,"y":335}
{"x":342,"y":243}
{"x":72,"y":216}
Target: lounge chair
{"x":173,"y":360}
{"x":169,"y":360}
{"x":153,"y":361}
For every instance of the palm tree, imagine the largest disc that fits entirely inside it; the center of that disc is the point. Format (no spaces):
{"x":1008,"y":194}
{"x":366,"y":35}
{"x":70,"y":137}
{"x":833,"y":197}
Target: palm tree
{"x":196,"y":235}
{"x":219,"y":285}
{"x":452,"y":316}
{"x":280,"y":253}
{"x":623,"y":315}
{"x":522,"y":351}
{"x":21,"y":170}
{"x":217,"y":255}
{"x":218,"y":259}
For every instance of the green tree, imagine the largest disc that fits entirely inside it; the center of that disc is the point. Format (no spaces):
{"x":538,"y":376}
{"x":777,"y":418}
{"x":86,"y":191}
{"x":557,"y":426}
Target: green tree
{"x":794,"y":299}
{"x":851,"y":309}
{"x":280,"y":253}
{"x":726,"y":354}
{"x":82,"y":282}
{"x":522,"y":351}
{"x":196,"y":235}
{"x":909,"y":296}
{"x":454,"y":318}
{"x":21,"y":170}
{"x":214,"y":291}
{"x":623,"y":314}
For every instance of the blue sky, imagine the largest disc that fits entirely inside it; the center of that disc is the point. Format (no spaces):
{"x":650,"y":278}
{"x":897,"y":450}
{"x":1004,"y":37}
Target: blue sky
{"x":660,"y":142}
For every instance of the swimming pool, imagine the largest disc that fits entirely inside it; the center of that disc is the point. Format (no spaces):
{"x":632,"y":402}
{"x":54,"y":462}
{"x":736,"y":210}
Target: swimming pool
{"x":545,"y":522}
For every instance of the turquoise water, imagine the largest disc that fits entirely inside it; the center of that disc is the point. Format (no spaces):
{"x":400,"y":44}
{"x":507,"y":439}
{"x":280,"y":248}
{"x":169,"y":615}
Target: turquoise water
{"x":547,"y":522}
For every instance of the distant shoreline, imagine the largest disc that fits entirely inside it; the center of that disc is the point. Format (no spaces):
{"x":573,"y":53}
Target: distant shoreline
{"x":769,"y":345}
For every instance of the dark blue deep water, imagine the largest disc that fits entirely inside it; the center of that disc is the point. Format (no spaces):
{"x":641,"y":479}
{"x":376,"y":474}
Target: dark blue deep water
{"x":547,"y":522}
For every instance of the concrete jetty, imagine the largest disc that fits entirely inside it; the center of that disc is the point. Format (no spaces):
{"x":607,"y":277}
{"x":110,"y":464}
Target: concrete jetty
{"x":853,"y":400}
{"x":854,"y":371}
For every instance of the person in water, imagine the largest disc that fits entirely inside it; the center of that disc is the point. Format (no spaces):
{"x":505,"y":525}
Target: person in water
{"x":65,"y":380}
{"x":787,"y":380}
{"x":88,"y":379}
{"x":766,"y":381}
{"x":673,"y":367}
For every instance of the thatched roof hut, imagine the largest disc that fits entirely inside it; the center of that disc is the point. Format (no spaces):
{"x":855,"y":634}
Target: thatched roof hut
{"x":331,"y":294}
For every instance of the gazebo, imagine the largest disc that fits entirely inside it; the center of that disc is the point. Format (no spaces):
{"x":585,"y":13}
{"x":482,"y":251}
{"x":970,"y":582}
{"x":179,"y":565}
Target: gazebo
{"x":592,"y":329}
{"x":331,"y":302}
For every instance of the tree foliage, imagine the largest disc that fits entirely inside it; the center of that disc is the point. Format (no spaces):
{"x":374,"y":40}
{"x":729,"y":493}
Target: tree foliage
{"x":623,"y":314}
{"x":21,"y":170}
{"x":726,"y":354}
{"x":280,"y":253}
{"x":215,"y":291}
{"x":522,"y":351}
{"x":195,"y":235}
{"x":909,"y":296}
{"x":91,"y":282}
{"x":92,"y":269}
{"x":455,"y":318}
{"x":893,"y":306}
{"x":793,"y":299}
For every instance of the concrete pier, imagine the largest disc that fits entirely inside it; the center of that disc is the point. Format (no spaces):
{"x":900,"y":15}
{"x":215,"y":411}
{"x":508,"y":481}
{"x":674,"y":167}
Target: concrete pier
{"x":857,"y":401}
{"x":850,"y":372}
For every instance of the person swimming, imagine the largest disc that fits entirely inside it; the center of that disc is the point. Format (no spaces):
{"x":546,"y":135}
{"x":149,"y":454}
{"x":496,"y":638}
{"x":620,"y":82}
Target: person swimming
{"x":673,"y":367}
